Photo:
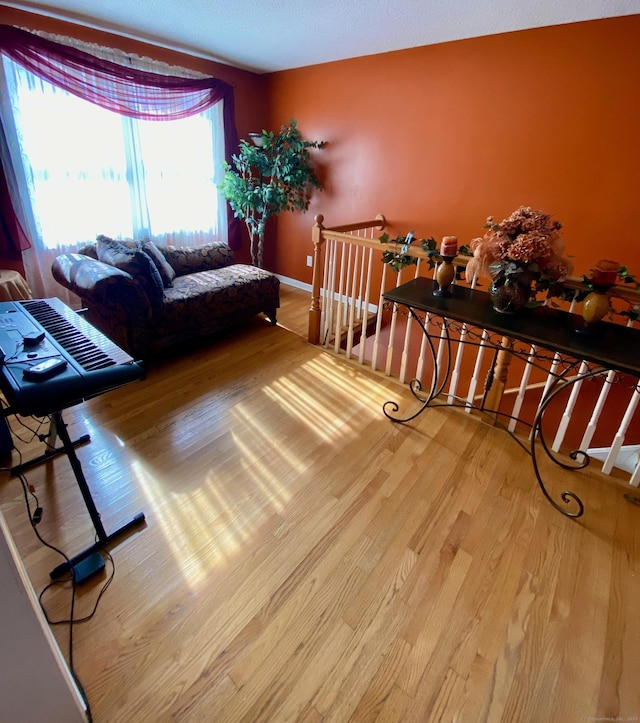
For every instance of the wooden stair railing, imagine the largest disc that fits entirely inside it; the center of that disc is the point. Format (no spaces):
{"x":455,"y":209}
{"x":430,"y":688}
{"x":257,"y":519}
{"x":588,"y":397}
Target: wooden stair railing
{"x":319,"y":236}
{"x":346,"y":312}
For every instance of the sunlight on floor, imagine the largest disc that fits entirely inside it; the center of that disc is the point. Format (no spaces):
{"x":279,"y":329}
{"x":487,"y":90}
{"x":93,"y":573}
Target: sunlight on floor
{"x":324,"y":397}
{"x":206,"y":523}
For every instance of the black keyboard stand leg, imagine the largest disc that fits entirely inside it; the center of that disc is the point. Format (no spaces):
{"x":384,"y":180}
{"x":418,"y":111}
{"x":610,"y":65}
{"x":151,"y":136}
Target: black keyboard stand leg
{"x":104,"y":539}
{"x":51,"y":452}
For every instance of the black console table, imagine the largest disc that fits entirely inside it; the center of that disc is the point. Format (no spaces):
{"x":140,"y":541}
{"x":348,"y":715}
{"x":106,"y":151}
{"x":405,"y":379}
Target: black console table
{"x":553,"y":334}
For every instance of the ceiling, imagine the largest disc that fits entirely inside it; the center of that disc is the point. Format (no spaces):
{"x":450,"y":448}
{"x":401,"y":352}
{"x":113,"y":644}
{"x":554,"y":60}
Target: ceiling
{"x":271,"y":35}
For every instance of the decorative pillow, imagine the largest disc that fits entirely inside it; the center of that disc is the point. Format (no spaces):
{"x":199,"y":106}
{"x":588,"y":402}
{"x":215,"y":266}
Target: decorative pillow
{"x":135,"y":262}
{"x":167,"y":274}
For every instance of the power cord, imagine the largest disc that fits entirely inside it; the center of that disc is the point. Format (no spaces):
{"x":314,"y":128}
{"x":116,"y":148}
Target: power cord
{"x":71,"y":620}
{"x":35,"y":433}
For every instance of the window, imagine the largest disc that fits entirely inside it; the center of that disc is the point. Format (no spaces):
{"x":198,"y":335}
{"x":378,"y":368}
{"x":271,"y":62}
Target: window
{"x":90,"y":171}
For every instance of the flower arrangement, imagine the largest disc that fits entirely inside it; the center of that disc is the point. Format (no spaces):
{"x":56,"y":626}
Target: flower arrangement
{"x":527,"y":243}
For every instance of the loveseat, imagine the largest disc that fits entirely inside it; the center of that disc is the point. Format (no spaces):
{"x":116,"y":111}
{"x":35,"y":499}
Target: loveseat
{"x":147,"y":298}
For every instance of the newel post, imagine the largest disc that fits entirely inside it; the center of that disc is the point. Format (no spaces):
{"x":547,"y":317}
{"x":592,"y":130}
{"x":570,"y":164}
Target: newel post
{"x":497,"y":377}
{"x":315,"y":311}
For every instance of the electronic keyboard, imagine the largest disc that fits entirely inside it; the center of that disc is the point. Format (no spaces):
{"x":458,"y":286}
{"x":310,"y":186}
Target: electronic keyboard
{"x":51,"y":358}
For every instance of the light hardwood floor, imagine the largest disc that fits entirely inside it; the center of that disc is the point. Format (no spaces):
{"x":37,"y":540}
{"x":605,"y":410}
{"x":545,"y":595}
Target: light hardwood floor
{"x":306,"y":559}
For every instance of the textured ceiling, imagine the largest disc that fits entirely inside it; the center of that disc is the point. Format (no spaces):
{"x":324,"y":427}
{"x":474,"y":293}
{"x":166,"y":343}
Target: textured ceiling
{"x":269,"y":35}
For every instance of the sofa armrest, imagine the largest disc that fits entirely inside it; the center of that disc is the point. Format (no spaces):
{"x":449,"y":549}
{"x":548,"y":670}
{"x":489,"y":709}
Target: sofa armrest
{"x":188,"y":260}
{"x":115,"y":303}
{"x":100,"y":283}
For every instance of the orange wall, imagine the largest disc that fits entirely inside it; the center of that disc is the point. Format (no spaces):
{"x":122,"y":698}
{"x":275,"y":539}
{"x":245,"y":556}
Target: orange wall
{"x":439,"y":137}
{"x":249,"y":88}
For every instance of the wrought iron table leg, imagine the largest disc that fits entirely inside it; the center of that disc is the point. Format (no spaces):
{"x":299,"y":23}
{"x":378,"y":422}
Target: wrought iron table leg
{"x":580,"y":457}
{"x":438,"y":379}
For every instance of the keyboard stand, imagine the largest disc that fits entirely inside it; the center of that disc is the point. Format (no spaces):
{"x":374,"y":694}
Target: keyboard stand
{"x":92,"y":562}
{"x":51,"y":451}
{"x":89,"y":561}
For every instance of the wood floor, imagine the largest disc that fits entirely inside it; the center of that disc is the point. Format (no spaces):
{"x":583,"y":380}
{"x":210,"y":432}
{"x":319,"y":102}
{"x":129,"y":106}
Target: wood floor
{"x":305,"y":559}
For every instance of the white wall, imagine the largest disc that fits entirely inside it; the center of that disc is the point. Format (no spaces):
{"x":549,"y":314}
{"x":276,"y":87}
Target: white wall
{"x":35,"y":684}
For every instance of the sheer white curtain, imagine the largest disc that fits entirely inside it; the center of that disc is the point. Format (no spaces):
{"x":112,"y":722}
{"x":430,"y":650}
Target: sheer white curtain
{"x":80,"y":171}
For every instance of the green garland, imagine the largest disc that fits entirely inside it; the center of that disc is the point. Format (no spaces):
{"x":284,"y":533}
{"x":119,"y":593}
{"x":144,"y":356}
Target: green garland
{"x":399,"y":260}
{"x":558,"y":290}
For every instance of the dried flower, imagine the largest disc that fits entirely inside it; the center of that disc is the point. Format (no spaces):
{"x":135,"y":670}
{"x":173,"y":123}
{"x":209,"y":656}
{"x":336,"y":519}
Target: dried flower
{"x":527,"y":241}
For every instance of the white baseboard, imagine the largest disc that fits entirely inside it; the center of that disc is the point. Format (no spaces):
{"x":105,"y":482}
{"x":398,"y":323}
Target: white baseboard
{"x":373,"y":308}
{"x":295,"y":283}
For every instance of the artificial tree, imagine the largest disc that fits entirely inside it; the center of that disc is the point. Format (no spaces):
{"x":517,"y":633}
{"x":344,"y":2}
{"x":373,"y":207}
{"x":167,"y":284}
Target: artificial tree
{"x":275,"y":173}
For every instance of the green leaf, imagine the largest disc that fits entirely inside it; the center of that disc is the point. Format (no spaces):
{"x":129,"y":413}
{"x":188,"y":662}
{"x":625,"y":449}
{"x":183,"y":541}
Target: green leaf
{"x":280,"y":176}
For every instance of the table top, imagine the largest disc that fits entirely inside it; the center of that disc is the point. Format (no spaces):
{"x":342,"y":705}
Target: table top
{"x":613,"y":346}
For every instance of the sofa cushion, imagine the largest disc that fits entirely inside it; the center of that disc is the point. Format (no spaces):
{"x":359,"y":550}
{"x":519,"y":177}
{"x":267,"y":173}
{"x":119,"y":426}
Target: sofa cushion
{"x":197,"y":303}
{"x":191,"y":259}
{"x":135,"y":262}
{"x":167,"y":274}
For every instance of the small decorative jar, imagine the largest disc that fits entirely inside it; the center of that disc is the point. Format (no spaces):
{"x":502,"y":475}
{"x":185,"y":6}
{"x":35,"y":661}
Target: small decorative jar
{"x":594,"y":307}
{"x":446,"y":272}
{"x":596,"y":304}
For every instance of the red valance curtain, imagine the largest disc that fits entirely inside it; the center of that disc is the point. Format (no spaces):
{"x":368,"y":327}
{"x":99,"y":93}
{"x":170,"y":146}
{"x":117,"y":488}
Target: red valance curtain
{"x":124,"y":90}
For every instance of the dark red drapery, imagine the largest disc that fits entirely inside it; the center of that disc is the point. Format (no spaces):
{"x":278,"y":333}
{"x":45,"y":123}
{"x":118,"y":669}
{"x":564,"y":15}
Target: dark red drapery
{"x":124,"y":90}
{"x":13,"y":239}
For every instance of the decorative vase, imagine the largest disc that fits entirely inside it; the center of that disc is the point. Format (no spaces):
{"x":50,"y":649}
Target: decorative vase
{"x":509,"y":293}
{"x":595,"y":306}
{"x":445,"y":275}
{"x":597,"y":303}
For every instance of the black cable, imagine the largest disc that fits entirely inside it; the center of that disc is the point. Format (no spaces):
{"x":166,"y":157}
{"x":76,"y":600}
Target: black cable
{"x":86,"y":618}
{"x":14,"y":354}
{"x":35,"y":433}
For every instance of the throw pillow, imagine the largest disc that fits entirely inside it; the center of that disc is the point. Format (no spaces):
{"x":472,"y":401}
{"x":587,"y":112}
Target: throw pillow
{"x":135,"y":262}
{"x":167,"y":274}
